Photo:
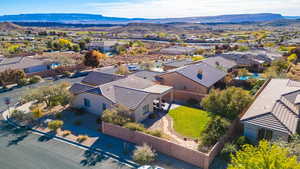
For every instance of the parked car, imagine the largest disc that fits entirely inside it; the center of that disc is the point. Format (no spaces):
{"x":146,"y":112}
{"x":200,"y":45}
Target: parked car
{"x":150,"y":167}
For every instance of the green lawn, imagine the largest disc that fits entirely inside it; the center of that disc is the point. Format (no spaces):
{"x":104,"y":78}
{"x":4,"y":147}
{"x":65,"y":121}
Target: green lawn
{"x":189,"y":122}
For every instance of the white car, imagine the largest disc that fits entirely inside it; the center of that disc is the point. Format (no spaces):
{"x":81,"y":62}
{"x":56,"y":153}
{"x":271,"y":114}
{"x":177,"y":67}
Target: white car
{"x":150,"y":167}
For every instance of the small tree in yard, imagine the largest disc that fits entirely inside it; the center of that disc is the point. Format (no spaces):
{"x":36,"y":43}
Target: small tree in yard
{"x":50,"y":95}
{"x":55,"y":124}
{"x":144,"y":154}
{"x":92,"y":58}
{"x":227,"y":103}
{"x":122,"y":70}
{"x":264,"y":156}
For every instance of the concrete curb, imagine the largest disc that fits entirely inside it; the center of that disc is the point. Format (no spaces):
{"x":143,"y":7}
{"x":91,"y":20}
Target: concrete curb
{"x":70,"y":142}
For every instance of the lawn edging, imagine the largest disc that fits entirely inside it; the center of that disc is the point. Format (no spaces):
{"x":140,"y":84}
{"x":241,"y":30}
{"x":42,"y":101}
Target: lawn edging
{"x":167,"y":147}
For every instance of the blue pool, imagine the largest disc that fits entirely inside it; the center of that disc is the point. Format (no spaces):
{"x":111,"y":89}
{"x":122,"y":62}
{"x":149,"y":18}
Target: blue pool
{"x":253,"y":76}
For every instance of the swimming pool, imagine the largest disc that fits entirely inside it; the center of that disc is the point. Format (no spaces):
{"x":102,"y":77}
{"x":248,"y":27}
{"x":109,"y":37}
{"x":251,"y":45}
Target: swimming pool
{"x":253,"y":76}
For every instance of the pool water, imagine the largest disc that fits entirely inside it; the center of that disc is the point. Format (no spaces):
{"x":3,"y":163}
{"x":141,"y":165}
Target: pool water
{"x":253,"y":76}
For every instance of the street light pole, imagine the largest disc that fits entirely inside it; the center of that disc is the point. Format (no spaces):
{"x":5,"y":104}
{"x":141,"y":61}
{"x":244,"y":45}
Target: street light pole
{"x":7,"y":102}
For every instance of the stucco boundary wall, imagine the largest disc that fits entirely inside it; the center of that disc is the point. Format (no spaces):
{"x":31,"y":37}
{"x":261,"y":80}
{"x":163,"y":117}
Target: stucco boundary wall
{"x":177,"y":151}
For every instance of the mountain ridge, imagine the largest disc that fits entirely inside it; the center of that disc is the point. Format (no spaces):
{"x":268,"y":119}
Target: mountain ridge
{"x":100,"y":19}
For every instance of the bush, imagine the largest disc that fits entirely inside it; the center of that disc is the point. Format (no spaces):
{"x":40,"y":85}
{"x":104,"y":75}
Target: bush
{"x":228,"y":150}
{"x":66,"y":133}
{"x":119,"y":115}
{"x":135,"y":126}
{"x":67,"y":74}
{"x":144,"y":154}
{"x":35,"y":79}
{"x":82,"y":138}
{"x":37,"y":112}
{"x":156,"y":133}
{"x":55,"y":124}
{"x":242,"y":140}
{"x":215,"y":129}
{"x":22,"y":82}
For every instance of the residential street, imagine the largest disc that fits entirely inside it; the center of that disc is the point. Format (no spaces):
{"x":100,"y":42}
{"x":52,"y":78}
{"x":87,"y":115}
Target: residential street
{"x":19,"y":149}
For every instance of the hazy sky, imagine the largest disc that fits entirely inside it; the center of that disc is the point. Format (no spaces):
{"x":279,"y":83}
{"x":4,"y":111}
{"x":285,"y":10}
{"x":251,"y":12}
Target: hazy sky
{"x":151,"y":8}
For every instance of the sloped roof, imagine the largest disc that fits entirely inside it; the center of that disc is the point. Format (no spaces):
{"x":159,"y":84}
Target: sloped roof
{"x":210,"y":74}
{"x":277,"y":99}
{"x":77,"y":88}
{"x":219,"y":61}
{"x":98,"y":78}
{"x":19,"y":63}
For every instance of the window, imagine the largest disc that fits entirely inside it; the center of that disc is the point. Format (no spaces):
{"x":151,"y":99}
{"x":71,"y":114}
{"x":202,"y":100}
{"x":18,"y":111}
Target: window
{"x":104,"y":107}
{"x":87,"y":102}
{"x":146,"y":108}
{"x":265,"y":134}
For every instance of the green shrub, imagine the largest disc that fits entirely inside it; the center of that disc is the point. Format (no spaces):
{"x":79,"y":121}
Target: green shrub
{"x":67,"y":74}
{"x":215,"y":129}
{"x":55,"y":124}
{"x":228,"y":150}
{"x":35,"y":79}
{"x":144,"y":154}
{"x":22,"y":82}
{"x":119,"y":115}
{"x":135,"y":126}
{"x":156,"y":133}
{"x":242,"y":140}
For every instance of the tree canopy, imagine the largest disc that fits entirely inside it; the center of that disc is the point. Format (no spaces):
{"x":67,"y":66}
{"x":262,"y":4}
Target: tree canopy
{"x":93,"y":58}
{"x":264,"y":156}
{"x":227,"y":103}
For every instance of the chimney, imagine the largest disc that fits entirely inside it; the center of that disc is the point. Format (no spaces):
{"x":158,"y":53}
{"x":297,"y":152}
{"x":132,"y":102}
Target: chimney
{"x":200,"y":74}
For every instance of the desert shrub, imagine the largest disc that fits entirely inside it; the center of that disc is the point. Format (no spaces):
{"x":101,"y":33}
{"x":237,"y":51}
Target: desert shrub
{"x":156,"y":133}
{"x":67,"y":74}
{"x":144,"y":154}
{"x":82,"y":138}
{"x":35,"y":79}
{"x":37,"y":112}
{"x":22,"y":82}
{"x":66,"y":133}
{"x":216,"y":128}
{"x":118,"y":115}
{"x":135,"y":126}
{"x":55,"y":124}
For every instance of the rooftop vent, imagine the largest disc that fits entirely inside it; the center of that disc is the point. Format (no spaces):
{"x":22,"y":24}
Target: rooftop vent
{"x":200,"y":74}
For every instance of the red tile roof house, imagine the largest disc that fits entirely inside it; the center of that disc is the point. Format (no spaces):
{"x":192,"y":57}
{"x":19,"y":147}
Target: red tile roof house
{"x":275,"y":112}
{"x":193,"y":81}
{"x":100,"y":91}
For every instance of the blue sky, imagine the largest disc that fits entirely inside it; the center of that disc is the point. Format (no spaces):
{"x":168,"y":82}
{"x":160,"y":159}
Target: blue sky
{"x":151,"y":8}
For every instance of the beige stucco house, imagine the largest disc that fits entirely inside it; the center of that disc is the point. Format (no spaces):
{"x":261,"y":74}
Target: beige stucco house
{"x":192,"y":81}
{"x":275,"y":112}
{"x":100,"y":91}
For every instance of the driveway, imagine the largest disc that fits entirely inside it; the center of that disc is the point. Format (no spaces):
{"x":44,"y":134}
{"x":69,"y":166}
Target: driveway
{"x":20,"y":149}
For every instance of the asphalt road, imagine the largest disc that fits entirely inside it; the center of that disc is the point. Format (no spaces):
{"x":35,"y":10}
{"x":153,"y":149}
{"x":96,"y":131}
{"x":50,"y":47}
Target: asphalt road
{"x":22,"y":150}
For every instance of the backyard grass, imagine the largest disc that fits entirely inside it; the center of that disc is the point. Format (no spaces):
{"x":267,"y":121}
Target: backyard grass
{"x":189,"y":122}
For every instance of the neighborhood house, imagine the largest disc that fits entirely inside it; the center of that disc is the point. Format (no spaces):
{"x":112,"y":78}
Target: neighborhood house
{"x":27,"y":64}
{"x":275,"y":112}
{"x":192,"y":81}
{"x":100,"y":91}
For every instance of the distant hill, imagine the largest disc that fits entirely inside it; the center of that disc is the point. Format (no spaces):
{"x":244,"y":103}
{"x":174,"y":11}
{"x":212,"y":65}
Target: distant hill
{"x":7,"y":26}
{"x":99,"y":19}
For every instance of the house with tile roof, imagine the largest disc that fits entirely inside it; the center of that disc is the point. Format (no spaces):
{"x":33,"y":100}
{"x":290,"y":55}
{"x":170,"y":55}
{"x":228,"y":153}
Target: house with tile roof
{"x":27,"y":64}
{"x":275,"y":112}
{"x":193,"y":81}
{"x":220,"y":63}
{"x":100,"y":91}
